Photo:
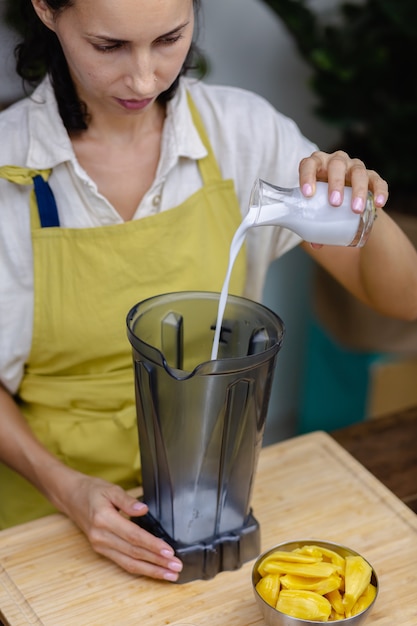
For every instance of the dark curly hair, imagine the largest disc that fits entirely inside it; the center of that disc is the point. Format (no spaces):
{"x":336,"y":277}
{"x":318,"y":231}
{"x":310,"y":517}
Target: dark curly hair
{"x":40,"y":53}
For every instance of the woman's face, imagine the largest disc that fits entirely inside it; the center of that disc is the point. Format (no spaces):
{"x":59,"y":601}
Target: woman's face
{"x":122,"y":54}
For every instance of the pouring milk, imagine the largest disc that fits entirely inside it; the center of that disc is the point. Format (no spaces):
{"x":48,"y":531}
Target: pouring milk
{"x":313,"y":219}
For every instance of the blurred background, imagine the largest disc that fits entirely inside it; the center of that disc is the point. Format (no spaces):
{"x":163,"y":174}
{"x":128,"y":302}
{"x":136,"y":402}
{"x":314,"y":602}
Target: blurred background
{"x":339,"y":364}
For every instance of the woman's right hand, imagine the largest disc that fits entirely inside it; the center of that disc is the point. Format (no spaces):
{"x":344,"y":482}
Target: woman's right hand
{"x":102,"y":510}
{"x":99,"y":508}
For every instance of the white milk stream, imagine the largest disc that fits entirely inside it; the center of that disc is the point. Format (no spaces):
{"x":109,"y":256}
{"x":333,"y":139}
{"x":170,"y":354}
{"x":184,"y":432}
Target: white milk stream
{"x":237,"y":243}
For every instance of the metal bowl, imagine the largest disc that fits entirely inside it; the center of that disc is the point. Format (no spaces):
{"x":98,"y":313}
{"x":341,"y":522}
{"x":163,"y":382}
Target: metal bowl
{"x":273,"y":617}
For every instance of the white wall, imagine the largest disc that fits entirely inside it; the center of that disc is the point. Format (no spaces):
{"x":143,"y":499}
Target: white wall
{"x":248,"y":46}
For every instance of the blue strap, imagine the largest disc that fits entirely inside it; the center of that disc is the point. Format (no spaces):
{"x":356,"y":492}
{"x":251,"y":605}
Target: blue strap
{"x":48,"y":211}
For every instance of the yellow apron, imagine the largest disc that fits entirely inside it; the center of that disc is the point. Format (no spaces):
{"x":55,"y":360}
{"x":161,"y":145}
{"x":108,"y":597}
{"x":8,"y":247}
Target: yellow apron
{"x":77,"y":393}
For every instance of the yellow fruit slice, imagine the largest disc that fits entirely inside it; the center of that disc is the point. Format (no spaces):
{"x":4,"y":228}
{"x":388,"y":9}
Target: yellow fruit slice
{"x":310,"y":570}
{"x":336,"y":600}
{"x":357,"y":577}
{"x":319,"y":585}
{"x":268,"y":588}
{"x":325,"y":553}
{"x":304,"y":605}
{"x":281,"y":555}
{"x":364,"y":601}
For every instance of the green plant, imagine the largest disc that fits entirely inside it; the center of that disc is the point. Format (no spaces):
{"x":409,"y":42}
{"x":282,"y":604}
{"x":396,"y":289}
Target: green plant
{"x":362,"y":60}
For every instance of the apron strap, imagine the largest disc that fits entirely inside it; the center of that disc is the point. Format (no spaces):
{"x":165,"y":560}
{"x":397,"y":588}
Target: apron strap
{"x":45,"y":200}
{"x":48,"y":211}
{"x":208,"y":167}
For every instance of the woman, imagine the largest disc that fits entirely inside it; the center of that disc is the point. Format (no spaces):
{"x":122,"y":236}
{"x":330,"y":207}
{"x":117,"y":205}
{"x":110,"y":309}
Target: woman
{"x":148,"y":176}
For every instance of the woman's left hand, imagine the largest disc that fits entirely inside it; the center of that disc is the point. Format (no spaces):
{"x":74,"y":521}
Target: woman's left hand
{"x":339,"y":170}
{"x":382,"y":274}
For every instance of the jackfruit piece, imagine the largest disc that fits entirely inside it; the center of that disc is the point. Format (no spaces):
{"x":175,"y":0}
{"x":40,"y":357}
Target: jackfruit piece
{"x":326,"y":554}
{"x":357,"y":577}
{"x":319,"y":585}
{"x":268,"y":588}
{"x":336,"y":600}
{"x":364,"y":600}
{"x":304,"y":605}
{"x":310,"y":570}
{"x":282,"y":555}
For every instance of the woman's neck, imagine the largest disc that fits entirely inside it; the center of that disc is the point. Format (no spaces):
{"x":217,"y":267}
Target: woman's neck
{"x":122,"y":157}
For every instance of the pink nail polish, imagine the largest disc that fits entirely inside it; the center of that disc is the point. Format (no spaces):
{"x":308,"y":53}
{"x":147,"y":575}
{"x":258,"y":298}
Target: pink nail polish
{"x":380,"y":199}
{"x":307,"y":190}
{"x":335,"y":198}
{"x":139,"y":506}
{"x":358,"y":205}
{"x":175,"y":566}
{"x":168,"y":553}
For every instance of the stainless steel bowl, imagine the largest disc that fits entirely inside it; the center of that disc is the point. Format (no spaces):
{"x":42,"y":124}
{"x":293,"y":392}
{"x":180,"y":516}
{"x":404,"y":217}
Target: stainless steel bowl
{"x":273,"y":617}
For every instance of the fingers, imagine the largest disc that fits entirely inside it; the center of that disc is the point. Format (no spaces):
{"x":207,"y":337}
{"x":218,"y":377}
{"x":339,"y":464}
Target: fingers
{"x":141,"y":567}
{"x":125,"y":502}
{"x":339,"y":170}
{"x":379,"y":188}
{"x":136,"y":550}
{"x":102,"y":511}
{"x":129,"y":545}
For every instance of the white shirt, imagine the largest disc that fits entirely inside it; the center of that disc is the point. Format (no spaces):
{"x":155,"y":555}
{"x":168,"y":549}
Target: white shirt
{"x":249,"y":139}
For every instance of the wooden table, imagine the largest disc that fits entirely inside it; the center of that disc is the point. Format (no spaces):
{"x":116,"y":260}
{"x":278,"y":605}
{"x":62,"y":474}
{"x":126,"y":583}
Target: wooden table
{"x":387,"y":446}
{"x":308,"y":486}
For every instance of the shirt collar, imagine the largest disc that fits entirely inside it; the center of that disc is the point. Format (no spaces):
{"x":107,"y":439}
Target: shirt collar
{"x":49,"y":143}
{"x":180,"y":138}
{"x":179,"y":116}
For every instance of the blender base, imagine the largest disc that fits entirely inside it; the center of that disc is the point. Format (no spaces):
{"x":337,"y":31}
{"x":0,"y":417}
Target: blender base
{"x":205,"y":559}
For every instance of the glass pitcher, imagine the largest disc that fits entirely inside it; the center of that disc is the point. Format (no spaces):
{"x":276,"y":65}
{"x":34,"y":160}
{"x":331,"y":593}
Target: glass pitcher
{"x":313,"y":218}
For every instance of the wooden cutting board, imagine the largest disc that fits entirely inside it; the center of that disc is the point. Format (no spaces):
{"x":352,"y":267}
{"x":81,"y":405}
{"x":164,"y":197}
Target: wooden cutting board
{"x":307,"y":487}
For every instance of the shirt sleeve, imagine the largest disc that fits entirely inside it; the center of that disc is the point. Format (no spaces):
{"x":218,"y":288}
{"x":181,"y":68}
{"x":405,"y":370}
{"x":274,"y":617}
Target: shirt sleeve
{"x":16,"y":279}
